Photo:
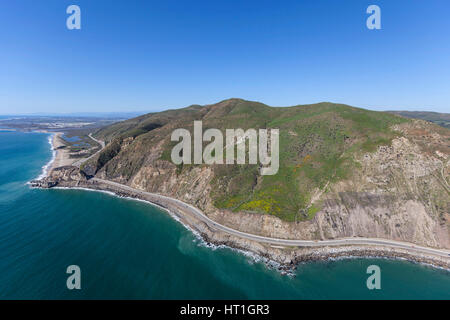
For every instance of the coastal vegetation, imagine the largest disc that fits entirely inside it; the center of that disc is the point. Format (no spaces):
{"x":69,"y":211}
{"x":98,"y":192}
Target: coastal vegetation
{"x":318,"y":145}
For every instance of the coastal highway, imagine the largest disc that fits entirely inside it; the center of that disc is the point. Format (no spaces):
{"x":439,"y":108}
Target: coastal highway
{"x":100,"y":142}
{"x":81,"y":161}
{"x":274,"y":241}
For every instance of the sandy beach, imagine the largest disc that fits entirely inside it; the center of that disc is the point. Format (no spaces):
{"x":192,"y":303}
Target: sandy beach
{"x":62,"y":157}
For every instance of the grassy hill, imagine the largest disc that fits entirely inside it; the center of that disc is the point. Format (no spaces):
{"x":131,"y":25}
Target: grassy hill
{"x":318,"y":145}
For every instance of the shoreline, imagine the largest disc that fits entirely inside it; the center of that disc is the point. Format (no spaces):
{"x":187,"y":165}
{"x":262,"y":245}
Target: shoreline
{"x":286,"y":258}
{"x":58,"y":156}
{"x":62,"y":157}
{"x":48,"y":166}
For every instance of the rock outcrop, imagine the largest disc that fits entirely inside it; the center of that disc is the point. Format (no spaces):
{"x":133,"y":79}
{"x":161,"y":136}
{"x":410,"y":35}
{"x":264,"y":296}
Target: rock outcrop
{"x":63,"y":175}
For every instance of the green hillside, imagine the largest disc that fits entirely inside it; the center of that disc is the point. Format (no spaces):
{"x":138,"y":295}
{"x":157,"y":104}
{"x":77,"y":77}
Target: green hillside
{"x":318,"y":143}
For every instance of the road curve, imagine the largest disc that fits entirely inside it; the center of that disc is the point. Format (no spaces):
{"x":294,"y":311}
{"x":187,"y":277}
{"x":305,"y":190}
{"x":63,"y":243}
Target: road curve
{"x":284,"y":242}
{"x":102,"y":143}
{"x":81,"y":161}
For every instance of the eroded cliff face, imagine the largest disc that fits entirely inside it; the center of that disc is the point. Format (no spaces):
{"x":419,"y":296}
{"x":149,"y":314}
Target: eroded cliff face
{"x":67,"y":174}
{"x":399,"y":192}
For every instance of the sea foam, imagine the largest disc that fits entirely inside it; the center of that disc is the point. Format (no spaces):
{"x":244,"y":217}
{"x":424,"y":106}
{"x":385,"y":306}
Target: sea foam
{"x":47,"y":166}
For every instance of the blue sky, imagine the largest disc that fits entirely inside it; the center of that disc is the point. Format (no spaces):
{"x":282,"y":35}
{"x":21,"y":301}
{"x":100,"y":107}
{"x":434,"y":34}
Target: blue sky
{"x":154,"y":55}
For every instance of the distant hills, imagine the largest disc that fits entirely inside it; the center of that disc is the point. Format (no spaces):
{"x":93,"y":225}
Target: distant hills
{"x":100,"y":115}
{"x":64,"y":121}
{"x":442,"y":119}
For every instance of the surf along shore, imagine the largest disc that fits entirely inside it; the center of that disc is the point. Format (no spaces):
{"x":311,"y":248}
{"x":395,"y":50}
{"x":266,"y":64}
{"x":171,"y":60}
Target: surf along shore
{"x":62,"y":156}
{"x":286,"y":253}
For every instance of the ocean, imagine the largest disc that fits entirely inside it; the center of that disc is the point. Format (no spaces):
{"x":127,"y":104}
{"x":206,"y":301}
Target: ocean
{"x":128,"y":249}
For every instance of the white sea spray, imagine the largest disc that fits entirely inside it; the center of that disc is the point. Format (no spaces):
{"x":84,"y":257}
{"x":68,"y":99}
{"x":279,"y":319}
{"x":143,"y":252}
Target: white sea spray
{"x":47,"y":166}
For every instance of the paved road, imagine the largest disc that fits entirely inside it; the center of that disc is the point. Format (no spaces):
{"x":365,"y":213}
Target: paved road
{"x":102,"y":143}
{"x":81,"y":161}
{"x":283,"y":242}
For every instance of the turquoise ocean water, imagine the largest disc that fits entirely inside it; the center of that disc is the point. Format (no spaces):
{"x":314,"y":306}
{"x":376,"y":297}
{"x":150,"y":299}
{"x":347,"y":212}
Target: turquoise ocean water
{"x":128,"y":249}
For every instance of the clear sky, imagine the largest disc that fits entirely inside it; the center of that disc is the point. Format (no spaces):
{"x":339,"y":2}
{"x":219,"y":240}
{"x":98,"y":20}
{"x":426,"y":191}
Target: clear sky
{"x":154,"y":55}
